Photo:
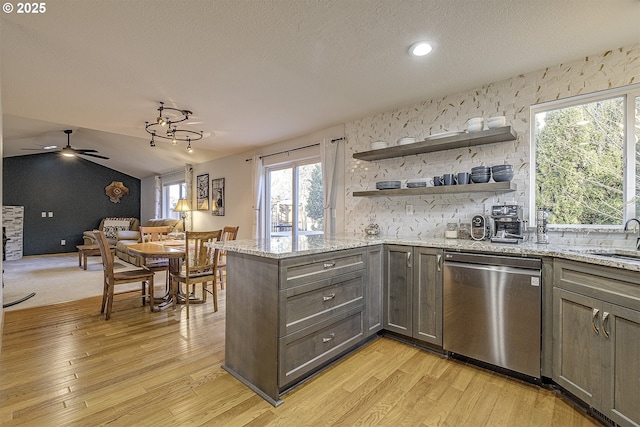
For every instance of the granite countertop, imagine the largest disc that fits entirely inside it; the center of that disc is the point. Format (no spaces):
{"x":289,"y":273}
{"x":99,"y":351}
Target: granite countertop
{"x":286,"y":247}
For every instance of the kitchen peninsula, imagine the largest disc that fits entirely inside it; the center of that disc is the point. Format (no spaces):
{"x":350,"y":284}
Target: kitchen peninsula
{"x":293,"y":307}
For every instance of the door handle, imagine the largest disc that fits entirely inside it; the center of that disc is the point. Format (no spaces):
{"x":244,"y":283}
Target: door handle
{"x":605,"y":320}
{"x":593,"y":321}
{"x":329,"y":264}
{"x":408,"y":259}
{"x":439,"y":262}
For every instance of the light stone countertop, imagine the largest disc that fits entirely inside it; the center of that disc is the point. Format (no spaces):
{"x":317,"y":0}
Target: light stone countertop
{"x":285,"y":247}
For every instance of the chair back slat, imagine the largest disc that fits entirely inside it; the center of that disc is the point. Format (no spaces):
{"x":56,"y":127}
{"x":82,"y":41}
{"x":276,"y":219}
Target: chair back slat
{"x":153,"y":234}
{"x":201,"y":258}
{"x":105,"y":252}
{"x":229,"y":233}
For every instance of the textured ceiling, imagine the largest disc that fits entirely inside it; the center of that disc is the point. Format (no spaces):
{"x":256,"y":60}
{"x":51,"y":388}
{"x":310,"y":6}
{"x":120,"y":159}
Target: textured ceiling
{"x":255,"y":72}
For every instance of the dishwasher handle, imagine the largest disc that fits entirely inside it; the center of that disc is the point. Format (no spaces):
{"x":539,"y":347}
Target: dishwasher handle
{"x":494,"y":268}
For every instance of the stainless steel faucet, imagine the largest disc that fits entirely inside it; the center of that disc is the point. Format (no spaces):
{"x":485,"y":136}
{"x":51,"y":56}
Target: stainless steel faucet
{"x":626,"y":228}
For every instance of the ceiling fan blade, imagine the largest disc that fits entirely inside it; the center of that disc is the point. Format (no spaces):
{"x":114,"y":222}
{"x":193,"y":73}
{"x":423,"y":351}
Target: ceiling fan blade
{"x":94,"y":155}
{"x":84,"y":150}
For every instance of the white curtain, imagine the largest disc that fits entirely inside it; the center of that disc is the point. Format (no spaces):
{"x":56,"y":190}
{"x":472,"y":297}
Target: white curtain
{"x":330,"y":157}
{"x":157,"y":188}
{"x":188,"y":179}
{"x":258,"y":193}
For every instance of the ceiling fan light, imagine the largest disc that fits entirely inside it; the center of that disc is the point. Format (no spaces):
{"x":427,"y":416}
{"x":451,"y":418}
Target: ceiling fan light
{"x":68,"y":154}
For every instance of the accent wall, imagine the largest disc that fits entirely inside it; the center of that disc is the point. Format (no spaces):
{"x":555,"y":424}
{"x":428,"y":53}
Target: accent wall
{"x":70,"y":192}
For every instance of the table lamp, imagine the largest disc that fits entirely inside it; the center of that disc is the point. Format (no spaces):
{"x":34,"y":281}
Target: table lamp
{"x":183,"y":206}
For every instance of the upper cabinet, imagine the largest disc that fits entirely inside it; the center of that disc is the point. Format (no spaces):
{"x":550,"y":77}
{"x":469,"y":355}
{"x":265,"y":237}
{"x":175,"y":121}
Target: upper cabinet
{"x":440,"y":143}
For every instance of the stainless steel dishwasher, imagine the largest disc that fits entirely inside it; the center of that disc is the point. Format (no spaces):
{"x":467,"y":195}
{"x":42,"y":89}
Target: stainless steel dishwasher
{"x":492,"y":310}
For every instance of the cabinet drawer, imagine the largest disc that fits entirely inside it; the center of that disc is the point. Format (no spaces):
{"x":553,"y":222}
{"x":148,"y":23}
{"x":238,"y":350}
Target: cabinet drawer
{"x":311,"y":268}
{"x":305,"y":305}
{"x":306,"y":350}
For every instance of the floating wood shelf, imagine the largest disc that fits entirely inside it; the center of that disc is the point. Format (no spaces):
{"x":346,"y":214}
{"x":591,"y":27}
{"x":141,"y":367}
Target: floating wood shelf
{"x":439,"y":144}
{"x":490,"y":187}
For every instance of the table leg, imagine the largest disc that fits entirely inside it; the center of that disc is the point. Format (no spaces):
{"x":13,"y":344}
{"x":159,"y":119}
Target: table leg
{"x":85,"y":259}
{"x":79,"y":258}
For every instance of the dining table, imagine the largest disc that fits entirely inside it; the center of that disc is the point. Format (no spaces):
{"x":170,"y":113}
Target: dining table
{"x":173,"y":250}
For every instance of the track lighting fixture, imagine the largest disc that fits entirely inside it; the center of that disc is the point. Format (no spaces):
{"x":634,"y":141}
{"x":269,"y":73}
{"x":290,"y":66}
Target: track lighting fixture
{"x":170,"y":117}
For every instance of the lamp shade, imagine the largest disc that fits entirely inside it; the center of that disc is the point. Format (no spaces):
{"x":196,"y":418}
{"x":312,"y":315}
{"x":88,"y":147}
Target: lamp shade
{"x":182,"y":206}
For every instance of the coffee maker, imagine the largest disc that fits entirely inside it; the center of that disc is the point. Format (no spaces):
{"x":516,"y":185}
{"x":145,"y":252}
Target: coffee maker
{"x":508,"y":225}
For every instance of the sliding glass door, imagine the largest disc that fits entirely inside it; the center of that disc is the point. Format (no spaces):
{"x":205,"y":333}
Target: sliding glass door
{"x":295,"y":199}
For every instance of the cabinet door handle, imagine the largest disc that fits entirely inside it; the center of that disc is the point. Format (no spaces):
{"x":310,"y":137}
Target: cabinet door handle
{"x":329,"y":338}
{"x":328,"y":297}
{"x":593,"y":321}
{"x":408,"y":259}
{"x":329,"y":264}
{"x":605,"y":319}
{"x":439,"y":262}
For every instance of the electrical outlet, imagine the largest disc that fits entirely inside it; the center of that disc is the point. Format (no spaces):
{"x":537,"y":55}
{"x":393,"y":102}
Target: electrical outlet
{"x":63,"y":242}
{"x":409,"y":209}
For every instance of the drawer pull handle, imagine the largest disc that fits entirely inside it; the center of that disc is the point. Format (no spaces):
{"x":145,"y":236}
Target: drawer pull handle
{"x":595,"y":313}
{"x":605,"y":319}
{"x":329,"y":338}
{"x":328,"y":297}
{"x":329,"y":264}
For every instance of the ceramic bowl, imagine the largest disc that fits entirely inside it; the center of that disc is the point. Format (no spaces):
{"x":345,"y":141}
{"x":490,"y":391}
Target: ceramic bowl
{"x":503,"y":176}
{"x":480,"y":178}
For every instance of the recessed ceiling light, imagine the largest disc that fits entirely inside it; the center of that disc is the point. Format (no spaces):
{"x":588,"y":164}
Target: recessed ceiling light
{"x":420,"y":49}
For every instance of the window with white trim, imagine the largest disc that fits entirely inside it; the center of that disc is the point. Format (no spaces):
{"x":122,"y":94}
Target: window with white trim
{"x":586,"y":158}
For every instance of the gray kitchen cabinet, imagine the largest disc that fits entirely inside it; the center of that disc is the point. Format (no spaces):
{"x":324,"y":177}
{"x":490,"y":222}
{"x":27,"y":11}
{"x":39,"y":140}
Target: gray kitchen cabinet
{"x":398,"y":289}
{"x":427,"y":295}
{"x":596,"y":338}
{"x":374,"y":300}
{"x":287,"y":318}
{"x":413,"y":292}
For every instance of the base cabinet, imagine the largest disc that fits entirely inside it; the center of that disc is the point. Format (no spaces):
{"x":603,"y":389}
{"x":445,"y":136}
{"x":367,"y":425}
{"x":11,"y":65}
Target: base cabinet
{"x":285,"y":319}
{"x":374,"y":302}
{"x":413,"y":292}
{"x":596,"y":337}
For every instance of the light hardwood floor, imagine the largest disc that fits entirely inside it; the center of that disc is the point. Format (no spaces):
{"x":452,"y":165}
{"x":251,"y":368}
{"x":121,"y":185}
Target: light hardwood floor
{"x":65,"y":365}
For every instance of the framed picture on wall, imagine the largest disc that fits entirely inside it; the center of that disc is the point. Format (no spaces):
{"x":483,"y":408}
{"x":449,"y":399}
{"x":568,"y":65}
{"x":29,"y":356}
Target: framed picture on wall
{"x":202,"y":183}
{"x":217,"y":197}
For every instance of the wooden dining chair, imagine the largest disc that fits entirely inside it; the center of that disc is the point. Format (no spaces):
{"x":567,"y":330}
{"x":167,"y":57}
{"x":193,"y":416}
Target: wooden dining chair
{"x":156,"y":234}
{"x":112,"y":279}
{"x":199,"y":267}
{"x":228,"y":233}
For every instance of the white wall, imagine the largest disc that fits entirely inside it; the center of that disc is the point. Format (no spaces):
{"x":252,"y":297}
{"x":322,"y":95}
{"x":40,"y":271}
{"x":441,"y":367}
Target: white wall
{"x":237,"y":172}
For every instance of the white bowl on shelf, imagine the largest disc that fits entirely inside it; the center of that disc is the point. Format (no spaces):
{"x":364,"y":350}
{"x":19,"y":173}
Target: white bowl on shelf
{"x":406,"y":140}
{"x":377,"y":145}
{"x":475,"y":127}
{"x":496,"y":122}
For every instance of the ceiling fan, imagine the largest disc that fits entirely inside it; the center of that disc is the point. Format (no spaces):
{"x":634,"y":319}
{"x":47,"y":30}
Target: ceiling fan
{"x":69,"y":151}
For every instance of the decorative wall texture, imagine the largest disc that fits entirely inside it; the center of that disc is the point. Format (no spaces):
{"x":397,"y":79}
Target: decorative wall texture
{"x":13,"y":221}
{"x":511,"y":98}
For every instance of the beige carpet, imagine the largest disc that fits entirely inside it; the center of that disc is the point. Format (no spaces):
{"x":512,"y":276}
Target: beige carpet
{"x":57,"y":278}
